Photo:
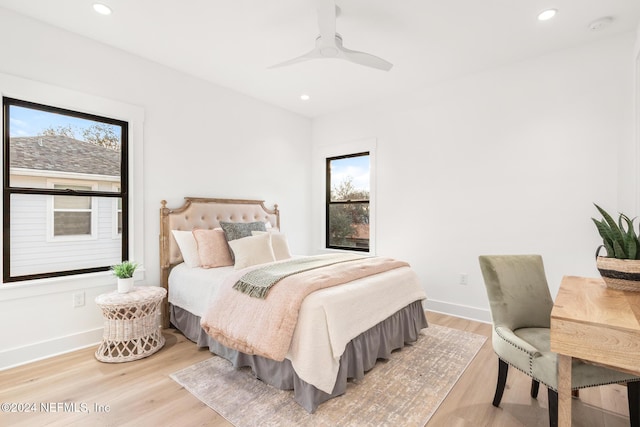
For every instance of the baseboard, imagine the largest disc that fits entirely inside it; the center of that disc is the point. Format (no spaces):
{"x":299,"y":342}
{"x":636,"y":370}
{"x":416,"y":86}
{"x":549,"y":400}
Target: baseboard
{"x":45,"y":349}
{"x":42,"y":350}
{"x":458,"y":310}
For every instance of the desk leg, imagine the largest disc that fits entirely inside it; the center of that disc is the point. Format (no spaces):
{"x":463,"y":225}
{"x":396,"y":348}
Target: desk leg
{"x":564,"y":390}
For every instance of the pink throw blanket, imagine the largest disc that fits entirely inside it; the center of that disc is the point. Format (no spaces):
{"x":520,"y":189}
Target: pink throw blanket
{"x":265,"y":327}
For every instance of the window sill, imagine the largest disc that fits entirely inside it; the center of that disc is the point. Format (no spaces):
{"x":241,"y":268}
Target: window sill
{"x":346,"y":251}
{"x":55,"y":285}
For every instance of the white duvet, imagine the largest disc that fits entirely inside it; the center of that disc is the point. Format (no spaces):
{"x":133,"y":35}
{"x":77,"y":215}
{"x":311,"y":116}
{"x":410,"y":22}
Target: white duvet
{"x":328,"y":318}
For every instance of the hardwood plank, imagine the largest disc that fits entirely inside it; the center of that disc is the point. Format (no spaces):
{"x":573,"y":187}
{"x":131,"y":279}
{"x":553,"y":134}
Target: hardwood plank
{"x":140,"y":393}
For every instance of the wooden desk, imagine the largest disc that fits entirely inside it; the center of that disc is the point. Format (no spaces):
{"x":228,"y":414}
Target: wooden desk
{"x":592,"y":322}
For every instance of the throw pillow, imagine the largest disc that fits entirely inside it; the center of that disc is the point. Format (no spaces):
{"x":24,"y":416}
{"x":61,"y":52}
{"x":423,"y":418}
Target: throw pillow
{"x":278,"y":242}
{"x":238,"y":230}
{"x":252,"y":250}
{"x":213,"y":249}
{"x":188,"y":247}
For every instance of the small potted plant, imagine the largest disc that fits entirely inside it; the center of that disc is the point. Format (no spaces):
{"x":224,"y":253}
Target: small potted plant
{"x":124,"y":272}
{"x":620,"y":269}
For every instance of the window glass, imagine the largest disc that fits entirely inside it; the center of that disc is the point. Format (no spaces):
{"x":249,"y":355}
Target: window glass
{"x":53,"y":144}
{"x":72,"y":215}
{"x":64,"y":170}
{"x":119,"y":216}
{"x":34,"y":252}
{"x":348,"y":188}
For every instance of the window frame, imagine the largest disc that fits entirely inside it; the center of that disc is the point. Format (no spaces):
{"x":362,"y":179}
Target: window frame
{"x":8,"y":190}
{"x":329,"y":202}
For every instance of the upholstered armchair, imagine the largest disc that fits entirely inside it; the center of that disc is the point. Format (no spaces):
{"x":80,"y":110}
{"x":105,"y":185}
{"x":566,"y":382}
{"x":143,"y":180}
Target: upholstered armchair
{"x":521,"y":313}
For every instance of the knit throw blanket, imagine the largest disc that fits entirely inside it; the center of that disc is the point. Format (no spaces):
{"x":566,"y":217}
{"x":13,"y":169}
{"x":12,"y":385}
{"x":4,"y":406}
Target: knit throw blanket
{"x":257,"y":283}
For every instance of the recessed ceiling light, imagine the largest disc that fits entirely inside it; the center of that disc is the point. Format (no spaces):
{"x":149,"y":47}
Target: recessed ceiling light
{"x":102,"y":9}
{"x":547,"y":14}
{"x":305,"y":97}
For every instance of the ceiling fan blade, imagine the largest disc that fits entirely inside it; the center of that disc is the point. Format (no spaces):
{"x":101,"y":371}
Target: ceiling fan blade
{"x":329,"y":43}
{"x":365,"y":59}
{"x":307,"y":56}
{"x":327,"y":19}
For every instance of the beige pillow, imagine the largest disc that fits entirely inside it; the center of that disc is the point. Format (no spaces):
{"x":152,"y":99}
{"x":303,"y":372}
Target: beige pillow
{"x":278,"y":242}
{"x":213,"y":249}
{"x":188,"y":247}
{"x":252,"y":250}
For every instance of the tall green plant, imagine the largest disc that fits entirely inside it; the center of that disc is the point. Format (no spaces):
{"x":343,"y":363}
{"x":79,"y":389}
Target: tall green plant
{"x":619,"y":239}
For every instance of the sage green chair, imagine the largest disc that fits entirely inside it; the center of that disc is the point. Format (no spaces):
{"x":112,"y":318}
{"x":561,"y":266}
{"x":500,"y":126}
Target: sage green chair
{"x":521,"y":313}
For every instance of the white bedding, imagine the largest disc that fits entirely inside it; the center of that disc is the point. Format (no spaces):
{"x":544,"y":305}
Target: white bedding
{"x":332,"y":317}
{"x":328,"y":318}
{"x":193,"y":288}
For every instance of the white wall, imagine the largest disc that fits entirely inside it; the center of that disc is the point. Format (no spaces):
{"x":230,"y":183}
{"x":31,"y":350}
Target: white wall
{"x":505,"y":161}
{"x":199,"y":140}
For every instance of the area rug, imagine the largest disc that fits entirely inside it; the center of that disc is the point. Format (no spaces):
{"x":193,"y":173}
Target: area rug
{"x":403,"y":391}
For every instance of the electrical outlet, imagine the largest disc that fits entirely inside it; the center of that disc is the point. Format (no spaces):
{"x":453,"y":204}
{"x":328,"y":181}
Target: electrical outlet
{"x":78,"y":299}
{"x":464,"y":278}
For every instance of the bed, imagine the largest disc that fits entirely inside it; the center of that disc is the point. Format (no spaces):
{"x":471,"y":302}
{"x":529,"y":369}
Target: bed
{"x":341,"y":331}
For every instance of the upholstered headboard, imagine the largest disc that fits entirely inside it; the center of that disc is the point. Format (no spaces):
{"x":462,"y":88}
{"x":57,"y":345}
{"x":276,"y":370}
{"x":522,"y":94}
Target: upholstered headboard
{"x":203,"y":213}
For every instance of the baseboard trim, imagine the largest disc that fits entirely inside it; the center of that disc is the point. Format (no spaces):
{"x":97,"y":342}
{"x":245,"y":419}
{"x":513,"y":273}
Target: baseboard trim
{"x":18,"y":356}
{"x":458,"y":310}
{"x":45,"y":349}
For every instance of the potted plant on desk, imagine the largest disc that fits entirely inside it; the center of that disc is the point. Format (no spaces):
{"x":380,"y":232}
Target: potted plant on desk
{"x":124,"y":272}
{"x":620,"y":269}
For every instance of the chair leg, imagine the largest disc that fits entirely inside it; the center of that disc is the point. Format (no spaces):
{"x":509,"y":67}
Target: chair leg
{"x":503,"y":368}
{"x":633,"y":395}
{"x":553,"y":407}
{"x":535,"y":386}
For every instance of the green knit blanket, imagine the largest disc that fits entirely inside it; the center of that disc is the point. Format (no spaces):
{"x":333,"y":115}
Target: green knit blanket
{"x":257,"y":283}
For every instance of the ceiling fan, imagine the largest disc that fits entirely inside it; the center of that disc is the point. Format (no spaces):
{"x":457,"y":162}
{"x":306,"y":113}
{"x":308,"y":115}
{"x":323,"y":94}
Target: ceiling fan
{"x":329,"y":43}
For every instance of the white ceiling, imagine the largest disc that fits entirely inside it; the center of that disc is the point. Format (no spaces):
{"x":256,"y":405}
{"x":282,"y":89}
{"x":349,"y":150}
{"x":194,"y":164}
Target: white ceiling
{"x":232,"y":42}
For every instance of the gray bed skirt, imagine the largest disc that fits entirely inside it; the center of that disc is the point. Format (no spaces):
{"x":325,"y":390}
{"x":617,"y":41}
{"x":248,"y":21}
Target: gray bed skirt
{"x":359,"y":356}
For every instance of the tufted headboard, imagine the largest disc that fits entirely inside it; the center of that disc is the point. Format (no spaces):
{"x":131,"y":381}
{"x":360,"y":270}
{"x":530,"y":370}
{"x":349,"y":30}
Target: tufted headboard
{"x":203,"y":213}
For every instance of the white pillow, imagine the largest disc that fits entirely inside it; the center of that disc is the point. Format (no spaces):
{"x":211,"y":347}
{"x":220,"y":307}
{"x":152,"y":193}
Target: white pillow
{"x":278,"y":242}
{"x":252,"y":250}
{"x":188,"y":247}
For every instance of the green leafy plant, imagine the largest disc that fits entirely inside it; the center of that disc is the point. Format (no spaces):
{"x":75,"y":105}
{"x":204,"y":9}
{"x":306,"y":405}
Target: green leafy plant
{"x":124,"y":270}
{"x":618,"y":238}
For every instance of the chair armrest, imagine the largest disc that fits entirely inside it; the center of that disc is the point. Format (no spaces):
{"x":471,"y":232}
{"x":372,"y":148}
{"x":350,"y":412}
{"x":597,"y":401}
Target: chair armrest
{"x":508,"y":335}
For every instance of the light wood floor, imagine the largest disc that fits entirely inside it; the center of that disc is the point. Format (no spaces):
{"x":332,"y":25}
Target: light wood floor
{"x":141,"y":393}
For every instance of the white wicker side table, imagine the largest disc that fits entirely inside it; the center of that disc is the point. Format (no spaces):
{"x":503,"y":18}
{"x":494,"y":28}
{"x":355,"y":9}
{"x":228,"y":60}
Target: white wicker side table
{"x":131,"y":324}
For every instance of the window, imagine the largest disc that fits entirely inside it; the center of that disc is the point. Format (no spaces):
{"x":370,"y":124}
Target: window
{"x":117,"y":216}
{"x":72,"y":217}
{"x":347,"y":202}
{"x":64,"y":171}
